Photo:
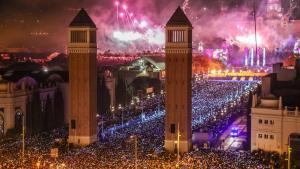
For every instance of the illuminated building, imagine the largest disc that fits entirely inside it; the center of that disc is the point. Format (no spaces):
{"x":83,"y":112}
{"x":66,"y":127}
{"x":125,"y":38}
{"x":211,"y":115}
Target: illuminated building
{"x":178,"y":131}
{"x":275,"y":115}
{"x":82,"y":51}
{"x":152,"y":66}
{"x":27,"y":91}
{"x":272,"y":125}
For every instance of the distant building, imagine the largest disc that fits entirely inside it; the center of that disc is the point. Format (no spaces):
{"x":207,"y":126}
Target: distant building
{"x":152,"y":66}
{"x":275,"y":115}
{"x":110,"y":82}
{"x":27,"y":91}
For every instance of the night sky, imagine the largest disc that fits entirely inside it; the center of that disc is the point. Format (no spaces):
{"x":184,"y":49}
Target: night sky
{"x":41,"y":25}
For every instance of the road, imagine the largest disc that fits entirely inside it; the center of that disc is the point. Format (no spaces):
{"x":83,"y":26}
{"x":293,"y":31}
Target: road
{"x":234,"y":143}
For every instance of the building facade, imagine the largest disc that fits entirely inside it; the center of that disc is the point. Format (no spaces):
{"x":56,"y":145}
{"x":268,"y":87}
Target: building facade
{"x":275,"y":115}
{"x":82,"y":51}
{"x":272,"y":125}
{"x":16,"y":104}
{"x":178,"y":127}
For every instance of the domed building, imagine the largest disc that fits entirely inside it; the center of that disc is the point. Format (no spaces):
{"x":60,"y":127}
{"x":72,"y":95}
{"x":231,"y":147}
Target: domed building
{"x":29,"y":91}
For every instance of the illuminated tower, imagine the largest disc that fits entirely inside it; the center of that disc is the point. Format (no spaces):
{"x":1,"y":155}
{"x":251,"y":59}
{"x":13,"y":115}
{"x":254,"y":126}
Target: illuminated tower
{"x":178,"y":82}
{"x":82,"y":48}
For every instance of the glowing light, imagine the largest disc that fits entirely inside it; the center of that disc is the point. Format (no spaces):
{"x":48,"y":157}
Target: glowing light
{"x":246,"y":57}
{"x":127,"y":36}
{"x":264,"y":57}
{"x":143,"y":24}
{"x":251,"y":56}
{"x":124,"y":7}
{"x":297,"y":47}
{"x":121,"y":14}
{"x":249,"y":39}
{"x":155,"y":36}
{"x":257,"y":58}
{"x":117,"y":3}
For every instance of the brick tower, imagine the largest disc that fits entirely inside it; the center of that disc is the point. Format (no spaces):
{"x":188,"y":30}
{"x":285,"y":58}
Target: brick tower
{"x":82,"y":51}
{"x":178,"y":84}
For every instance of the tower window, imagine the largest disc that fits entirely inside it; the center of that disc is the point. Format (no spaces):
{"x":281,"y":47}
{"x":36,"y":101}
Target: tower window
{"x":92,"y":36}
{"x":176,"y":36}
{"x":78,"y":37}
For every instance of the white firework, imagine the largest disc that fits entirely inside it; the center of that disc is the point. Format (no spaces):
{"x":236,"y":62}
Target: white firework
{"x":185,"y":5}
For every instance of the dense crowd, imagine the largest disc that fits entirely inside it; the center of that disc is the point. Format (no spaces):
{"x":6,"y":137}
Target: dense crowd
{"x":117,"y":148}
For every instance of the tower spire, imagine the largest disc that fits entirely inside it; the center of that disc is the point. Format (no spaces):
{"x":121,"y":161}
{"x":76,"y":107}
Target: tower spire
{"x":178,"y":83}
{"x":179,"y":18}
{"x":82,"y":51}
{"x":82,"y":19}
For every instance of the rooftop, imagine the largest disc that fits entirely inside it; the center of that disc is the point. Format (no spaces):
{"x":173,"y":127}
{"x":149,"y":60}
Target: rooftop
{"x":179,"y":19}
{"x":82,"y":19}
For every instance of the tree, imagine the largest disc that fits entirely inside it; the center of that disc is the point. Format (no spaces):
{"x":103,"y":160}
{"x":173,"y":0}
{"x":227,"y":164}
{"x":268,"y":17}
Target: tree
{"x":36,"y":112}
{"x":121,"y":91}
{"x":59,"y":114}
{"x":49,"y":115}
{"x":28,"y":116}
{"x":103,"y":96}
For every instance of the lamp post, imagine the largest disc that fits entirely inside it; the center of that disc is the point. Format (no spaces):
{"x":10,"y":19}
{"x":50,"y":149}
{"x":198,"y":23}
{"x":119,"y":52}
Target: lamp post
{"x":137,"y":102}
{"x":289,"y":157}
{"x":23,"y":138}
{"x":161,"y":97}
{"x":132,"y":103}
{"x":178,"y":145}
{"x":113,"y":111}
{"x":100,"y":122}
{"x":142,"y":111}
{"x":120,"y":109}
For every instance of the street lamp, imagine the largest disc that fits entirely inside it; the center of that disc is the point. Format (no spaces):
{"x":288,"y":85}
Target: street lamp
{"x":113,"y":111}
{"x":102,"y":121}
{"x":120,"y":109}
{"x":289,"y":157}
{"x":178,"y":145}
{"x":132,"y":102}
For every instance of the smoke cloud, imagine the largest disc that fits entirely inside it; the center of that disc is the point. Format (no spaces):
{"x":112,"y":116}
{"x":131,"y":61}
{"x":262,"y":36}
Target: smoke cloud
{"x":42,"y":25}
